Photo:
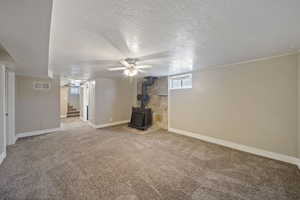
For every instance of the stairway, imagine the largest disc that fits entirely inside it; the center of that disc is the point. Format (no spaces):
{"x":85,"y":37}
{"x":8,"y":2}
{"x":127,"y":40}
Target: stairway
{"x":72,"y":112}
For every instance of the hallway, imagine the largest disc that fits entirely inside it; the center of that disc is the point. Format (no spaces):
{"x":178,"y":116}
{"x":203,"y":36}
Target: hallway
{"x":72,"y":122}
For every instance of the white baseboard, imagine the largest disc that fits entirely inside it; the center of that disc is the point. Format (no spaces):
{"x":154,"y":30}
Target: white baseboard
{"x":63,"y":116}
{"x":2,"y":157}
{"x":252,"y":150}
{"x":38,"y":132}
{"x":15,"y":139}
{"x":91,"y":124}
{"x":108,"y":124}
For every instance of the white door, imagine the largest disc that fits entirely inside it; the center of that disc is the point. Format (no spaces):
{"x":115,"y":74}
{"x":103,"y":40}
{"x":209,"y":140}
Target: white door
{"x":2,"y":113}
{"x":10,"y":108}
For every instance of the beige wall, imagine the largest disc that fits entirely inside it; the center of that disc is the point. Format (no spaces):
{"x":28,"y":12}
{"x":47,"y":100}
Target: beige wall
{"x":64,"y":101}
{"x":253,"y":104}
{"x":36,"y":110}
{"x":113,"y":100}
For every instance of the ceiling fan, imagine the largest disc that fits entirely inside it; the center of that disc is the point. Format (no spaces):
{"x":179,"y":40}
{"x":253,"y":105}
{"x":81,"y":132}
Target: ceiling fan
{"x":130,"y":67}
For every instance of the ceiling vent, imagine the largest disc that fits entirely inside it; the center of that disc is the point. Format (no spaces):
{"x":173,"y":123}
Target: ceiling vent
{"x":39,"y":85}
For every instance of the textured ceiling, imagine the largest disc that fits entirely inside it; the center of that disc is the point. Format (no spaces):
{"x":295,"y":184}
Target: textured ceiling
{"x":24,"y":33}
{"x":196,"y":33}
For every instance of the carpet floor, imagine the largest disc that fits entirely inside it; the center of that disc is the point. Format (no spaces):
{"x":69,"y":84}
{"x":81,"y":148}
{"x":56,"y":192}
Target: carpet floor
{"x":116,"y":164}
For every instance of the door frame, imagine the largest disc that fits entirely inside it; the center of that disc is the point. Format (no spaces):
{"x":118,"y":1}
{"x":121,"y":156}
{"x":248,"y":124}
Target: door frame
{"x":3,"y":114}
{"x":85,"y":103}
{"x":10,"y":128}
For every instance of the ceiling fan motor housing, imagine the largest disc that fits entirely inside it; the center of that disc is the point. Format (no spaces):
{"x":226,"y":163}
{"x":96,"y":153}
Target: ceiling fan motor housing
{"x":131,"y":61}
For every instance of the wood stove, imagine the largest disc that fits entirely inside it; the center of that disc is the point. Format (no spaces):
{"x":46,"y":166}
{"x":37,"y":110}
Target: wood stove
{"x":141,"y":117}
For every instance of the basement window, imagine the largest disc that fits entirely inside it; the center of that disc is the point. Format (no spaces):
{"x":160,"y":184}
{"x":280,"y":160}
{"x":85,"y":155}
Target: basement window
{"x":74,"y":90}
{"x":183,"y":81}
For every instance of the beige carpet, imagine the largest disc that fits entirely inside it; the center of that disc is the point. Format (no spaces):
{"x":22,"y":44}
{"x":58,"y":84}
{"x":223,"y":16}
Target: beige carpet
{"x":72,"y":122}
{"x":114,"y":164}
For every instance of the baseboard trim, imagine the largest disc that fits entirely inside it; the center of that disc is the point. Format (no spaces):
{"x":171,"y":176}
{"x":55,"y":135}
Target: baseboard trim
{"x":252,"y":150}
{"x":91,"y":124}
{"x":2,"y":157}
{"x":38,"y":132}
{"x":15,"y":139}
{"x":108,"y":124}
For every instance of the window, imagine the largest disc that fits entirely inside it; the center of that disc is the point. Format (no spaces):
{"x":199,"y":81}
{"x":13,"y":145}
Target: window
{"x":181,"y":82}
{"x":74,"y":90}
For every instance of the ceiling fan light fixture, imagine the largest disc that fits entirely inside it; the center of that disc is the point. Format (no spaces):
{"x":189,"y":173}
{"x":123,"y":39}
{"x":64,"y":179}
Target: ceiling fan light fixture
{"x":130,"y":72}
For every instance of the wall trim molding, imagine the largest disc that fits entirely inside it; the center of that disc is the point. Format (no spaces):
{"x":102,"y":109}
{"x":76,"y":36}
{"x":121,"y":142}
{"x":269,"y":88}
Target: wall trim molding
{"x":2,"y":157}
{"x":38,"y":132}
{"x":240,"y":147}
{"x":225,"y":66}
{"x":290,"y":53}
{"x":108,"y":124}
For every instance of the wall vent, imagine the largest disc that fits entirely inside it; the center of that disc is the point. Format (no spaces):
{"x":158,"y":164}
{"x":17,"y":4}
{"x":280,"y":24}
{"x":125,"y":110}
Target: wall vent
{"x":39,"y":85}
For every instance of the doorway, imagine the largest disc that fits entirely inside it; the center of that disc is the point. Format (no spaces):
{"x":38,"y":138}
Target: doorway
{"x":7,"y":110}
{"x":71,"y":105}
{"x":10,"y":107}
{"x":2,"y":114}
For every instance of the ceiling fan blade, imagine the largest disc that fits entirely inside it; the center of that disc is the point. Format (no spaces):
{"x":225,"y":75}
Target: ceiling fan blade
{"x":125,"y":63}
{"x":143,"y":66}
{"x":100,"y":62}
{"x":152,"y":56}
{"x":116,"y":68}
{"x":142,"y":71}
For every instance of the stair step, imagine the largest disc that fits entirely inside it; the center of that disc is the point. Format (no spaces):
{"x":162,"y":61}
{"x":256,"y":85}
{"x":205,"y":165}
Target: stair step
{"x":74,"y":112}
{"x":73,"y":115}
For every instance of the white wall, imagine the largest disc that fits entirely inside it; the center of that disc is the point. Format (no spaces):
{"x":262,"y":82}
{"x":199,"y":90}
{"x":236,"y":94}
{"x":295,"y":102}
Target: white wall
{"x":36,"y":110}
{"x":113,"y":100}
{"x":252,"y":104}
{"x":84,"y":100}
{"x":92,"y":101}
{"x":64,"y":93}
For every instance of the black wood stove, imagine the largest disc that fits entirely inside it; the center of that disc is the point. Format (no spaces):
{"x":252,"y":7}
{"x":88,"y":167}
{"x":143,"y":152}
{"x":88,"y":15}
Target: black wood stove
{"x":141,"y":117}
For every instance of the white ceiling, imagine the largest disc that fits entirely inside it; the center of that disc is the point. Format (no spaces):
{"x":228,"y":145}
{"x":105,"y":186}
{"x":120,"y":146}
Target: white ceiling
{"x":24,"y":33}
{"x":198,"y":33}
{"x":87,"y":34}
